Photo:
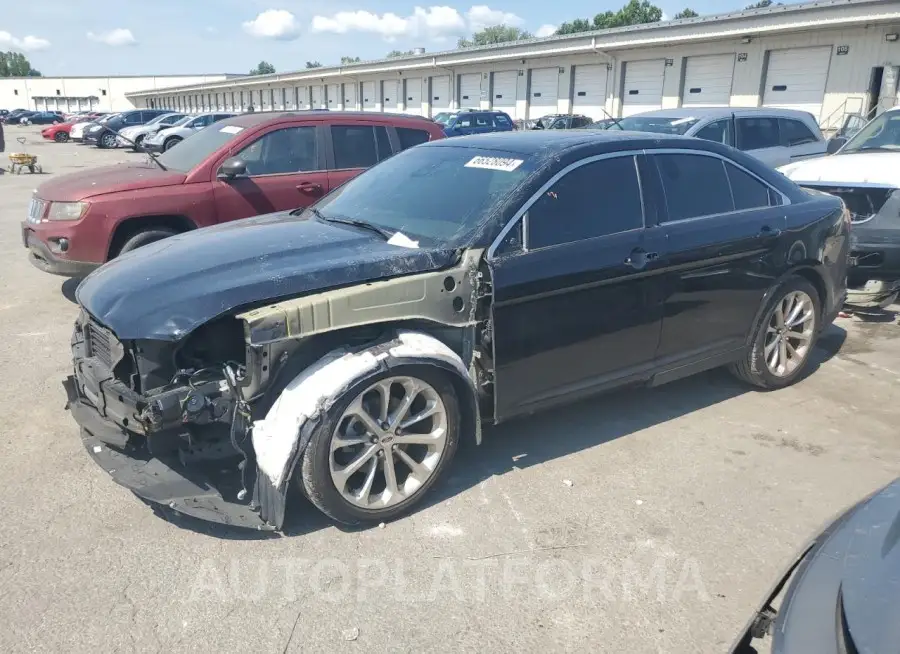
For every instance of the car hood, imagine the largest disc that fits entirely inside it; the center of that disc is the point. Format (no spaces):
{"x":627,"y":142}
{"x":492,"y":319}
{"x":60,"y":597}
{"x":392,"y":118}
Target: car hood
{"x":843,"y":169}
{"x":107,"y":179}
{"x":853,"y":567}
{"x":170,"y":131}
{"x":165,"y":290}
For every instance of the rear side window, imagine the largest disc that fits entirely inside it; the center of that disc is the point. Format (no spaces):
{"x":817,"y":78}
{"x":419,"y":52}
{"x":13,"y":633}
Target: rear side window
{"x":464,"y":121}
{"x":596,"y":199}
{"x":718,"y":131}
{"x":410,"y":137}
{"x":795,"y":132}
{"x":747,"y":191}
{"x":757,"y":133}
{"x":482,"y":120}
{"x":359,"y":146}
{"x":694,"y":185}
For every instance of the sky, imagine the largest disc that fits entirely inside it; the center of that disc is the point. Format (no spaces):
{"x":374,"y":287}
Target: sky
{"x":165,"y":37}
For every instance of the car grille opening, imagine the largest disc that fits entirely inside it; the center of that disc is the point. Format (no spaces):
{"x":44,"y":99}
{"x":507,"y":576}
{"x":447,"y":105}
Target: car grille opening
{"x":100,"y":344}
{"x":862,"y":203}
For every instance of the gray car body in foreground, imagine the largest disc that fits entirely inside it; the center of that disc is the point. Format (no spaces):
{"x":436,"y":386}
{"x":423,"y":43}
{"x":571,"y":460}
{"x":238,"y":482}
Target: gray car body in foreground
{"x":777,"y":154}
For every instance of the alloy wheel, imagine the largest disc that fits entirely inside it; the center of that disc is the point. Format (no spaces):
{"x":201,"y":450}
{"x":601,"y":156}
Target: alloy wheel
{"x":789,"y":333}
{"x":388,"y":442}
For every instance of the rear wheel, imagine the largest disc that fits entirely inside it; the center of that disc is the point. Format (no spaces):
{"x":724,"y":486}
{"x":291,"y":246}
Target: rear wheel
{"x":785,"y":337}
{"x":170,"y":143}
{"x":145,"y":237}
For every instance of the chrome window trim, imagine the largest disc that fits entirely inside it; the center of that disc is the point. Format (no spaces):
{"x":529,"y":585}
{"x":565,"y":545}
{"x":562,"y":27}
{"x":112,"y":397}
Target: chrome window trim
{"x":546,"y":187}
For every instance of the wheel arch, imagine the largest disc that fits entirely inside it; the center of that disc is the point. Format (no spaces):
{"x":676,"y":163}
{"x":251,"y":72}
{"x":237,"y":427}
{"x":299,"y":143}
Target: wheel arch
{"x":128,"y":227}
{"x":806,"y":270}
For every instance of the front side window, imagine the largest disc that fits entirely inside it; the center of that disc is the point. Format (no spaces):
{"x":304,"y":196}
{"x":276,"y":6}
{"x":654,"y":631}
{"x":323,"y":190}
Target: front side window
{"x":284,"y":151}
{"x":596,"y":199}
{"x":795,"y":132}
{"x":718,"y":131}
{"x":200,"y":122}
{"x":757,"y":133}
{"x":694,"y":185}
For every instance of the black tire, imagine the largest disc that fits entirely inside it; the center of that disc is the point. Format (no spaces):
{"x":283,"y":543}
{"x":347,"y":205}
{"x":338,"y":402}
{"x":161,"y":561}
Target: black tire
{"x":170,"y":143}
{"x":138,"y":143}
{"x":61,"y":137}
{"x":313,"y":476}
{"x":752,"y":368}
{"x":145,"y":237}
{"x":107,"y":141}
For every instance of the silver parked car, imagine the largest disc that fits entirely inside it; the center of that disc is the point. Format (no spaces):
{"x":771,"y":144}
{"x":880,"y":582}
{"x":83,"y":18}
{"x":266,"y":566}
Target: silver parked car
{"x":166,"y":139}
{"x":774,"y":136}
{"x":132,"y":137}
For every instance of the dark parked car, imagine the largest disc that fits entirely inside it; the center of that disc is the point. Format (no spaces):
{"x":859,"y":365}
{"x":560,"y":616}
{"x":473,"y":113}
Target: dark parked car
{"x":350,"y":347}
{"x":466,"y":123}
{"x":12,"y":118}
{"x":239,"y":167}
{"x":559,"y":121}
{"x":42,"y":118}
{"x":842,"y":591}
{"x":104,"y":134}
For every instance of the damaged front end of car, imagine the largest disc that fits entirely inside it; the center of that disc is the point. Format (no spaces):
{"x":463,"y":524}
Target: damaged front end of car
{"x":212,"y":425}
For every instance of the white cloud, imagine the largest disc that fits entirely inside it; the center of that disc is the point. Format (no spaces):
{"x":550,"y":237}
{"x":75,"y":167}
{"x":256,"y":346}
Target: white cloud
{"x":278,"y":24}
{"x":116,"y":38}
{"x":435,"y":23}
{"x":26,"y":44}
{"x":545,"y":30}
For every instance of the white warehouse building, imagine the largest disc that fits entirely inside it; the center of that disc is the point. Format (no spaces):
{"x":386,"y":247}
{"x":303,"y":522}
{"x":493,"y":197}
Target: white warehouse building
{"x":87,"y":93}
{"x":831,"y":58}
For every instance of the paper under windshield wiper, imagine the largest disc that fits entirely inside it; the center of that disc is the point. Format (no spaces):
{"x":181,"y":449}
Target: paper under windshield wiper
{"x":383,"y":233}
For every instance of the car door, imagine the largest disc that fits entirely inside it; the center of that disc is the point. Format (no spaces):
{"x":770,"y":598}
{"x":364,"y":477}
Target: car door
{"x":799,"y":139}
{"x":353,"y":147}
{"x":285,"y":170}
{"x":722,"y":226}
{"x":575,"y":306}
{"x":760,"y":137}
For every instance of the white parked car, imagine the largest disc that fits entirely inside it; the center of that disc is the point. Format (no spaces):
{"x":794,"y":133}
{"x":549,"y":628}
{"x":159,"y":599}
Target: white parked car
{"x":166,"y":139}
{"x":132,"y":137}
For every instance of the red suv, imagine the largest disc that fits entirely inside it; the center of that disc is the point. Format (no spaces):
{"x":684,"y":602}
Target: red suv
{"x":240,"y":167}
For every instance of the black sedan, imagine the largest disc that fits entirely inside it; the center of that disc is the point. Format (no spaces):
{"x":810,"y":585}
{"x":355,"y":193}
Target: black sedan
{"x":349,"y":347}
{"x":42,"y":118}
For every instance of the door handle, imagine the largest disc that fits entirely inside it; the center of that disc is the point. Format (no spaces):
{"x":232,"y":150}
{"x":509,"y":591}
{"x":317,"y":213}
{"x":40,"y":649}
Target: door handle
{"x":639,"y":258}
{"x":310,"y":188}
{"x":768,"y":232}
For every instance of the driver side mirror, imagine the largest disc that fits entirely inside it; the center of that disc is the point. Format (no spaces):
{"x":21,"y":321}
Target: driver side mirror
{"x":231,"y":168}
{"x":834,"y":144}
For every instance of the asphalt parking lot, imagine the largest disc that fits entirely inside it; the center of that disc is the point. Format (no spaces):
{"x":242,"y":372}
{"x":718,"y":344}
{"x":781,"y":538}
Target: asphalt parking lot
{"x":643,"y":521}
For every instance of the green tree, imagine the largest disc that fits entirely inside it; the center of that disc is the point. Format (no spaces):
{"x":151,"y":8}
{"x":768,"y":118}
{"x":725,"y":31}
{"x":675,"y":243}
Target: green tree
{"x":15,"y":64}
{"x":346,"y":60}
{"x":263,"y":68}
{"x":400,"y":53}
{"x":686,"y":13}
{"x":635,"y":12}
{"x":494,"y":34}
{"x":313,"y":64}
{"x":762,"y":4}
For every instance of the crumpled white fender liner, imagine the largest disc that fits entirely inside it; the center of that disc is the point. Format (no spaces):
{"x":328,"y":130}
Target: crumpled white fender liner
{"x":281,"y":437}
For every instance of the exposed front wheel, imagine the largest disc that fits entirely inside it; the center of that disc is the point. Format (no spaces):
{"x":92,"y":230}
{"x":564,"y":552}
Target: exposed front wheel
{"x":60,"y":137}
{"x":784,"y":338}
{"x":171,"y":143}
{"x":383,"y":445}
{"x":139,"y":143}
{"x":107,"y":141}
{"x":145,"y":237}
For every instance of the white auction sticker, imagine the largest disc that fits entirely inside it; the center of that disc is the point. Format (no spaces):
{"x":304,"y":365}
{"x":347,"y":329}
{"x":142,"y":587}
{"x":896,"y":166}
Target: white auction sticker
{"x":495,"y":163}
{"x":231,"y":129}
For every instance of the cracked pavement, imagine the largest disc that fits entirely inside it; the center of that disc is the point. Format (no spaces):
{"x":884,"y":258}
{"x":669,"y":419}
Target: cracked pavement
{"x":648,"y":521}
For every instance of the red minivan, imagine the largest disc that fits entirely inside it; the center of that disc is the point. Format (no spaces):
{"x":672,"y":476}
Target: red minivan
{"x":244,"y":166}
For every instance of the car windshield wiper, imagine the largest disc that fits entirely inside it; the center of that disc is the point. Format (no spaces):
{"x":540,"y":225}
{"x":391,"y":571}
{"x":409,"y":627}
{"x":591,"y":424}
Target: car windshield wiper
{"x":355,"y":222}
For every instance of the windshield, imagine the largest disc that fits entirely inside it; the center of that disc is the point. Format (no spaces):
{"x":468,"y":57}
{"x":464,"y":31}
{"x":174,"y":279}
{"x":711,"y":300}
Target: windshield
{"x":444,"y":117}
{"x":180,"y":122}
{"x":657,"y":124}
{"x":444,"y":193}
{"x":106,"y":119}
{"x":195,"y":149}
{"x":158,"y":119}
{"x":883,"y":133}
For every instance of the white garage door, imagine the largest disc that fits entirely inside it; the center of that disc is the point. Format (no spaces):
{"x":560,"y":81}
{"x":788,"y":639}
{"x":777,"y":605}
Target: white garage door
{"x":369,"y":99}
{"x":440,"y":93}
{"x":390,"y":95}
{"x":589,"y":94}
{"x":643,"y":86}
{"x":334,"y":96}
{"x":503,"y":93}
{"x":707,"y":81}
{"x":796,"y":79}
{"x":266,"y":101}
{"x":470,"y":91}
{"x":302,"y":97}
{"x":544,"y":96}
{"x":413,"y":100}
{"x":318,"y":101}
{"x":349,"y":96}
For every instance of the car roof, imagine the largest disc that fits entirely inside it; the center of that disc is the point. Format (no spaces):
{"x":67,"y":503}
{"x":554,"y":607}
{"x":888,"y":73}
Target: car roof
{"x":722,"y":112}
{"x":261,"y":117}
{"x":528,"y":142}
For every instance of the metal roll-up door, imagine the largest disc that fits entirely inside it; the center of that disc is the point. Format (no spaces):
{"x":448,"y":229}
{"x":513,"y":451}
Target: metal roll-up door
{"x":369,"y":99}
{"x":303,"y":97}
{"x":318,"y":100}
{"x":413,"y":97}
{"x":543,"y":97}
{"x":390,"y":95}
{"x":440,"y":93}
{"x":334,"y":96}
{"x":707,"y":81}
{"x":796,"y":79}
{"x":589,"y":91}
{"x":503,"y":91}
{"x":643,"y":89}
{"x":349,"y":96}
{"x":470,"y":91}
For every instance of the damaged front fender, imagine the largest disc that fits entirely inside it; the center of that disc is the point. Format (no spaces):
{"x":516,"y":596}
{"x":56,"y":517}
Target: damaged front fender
{"x":281,"y":437}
